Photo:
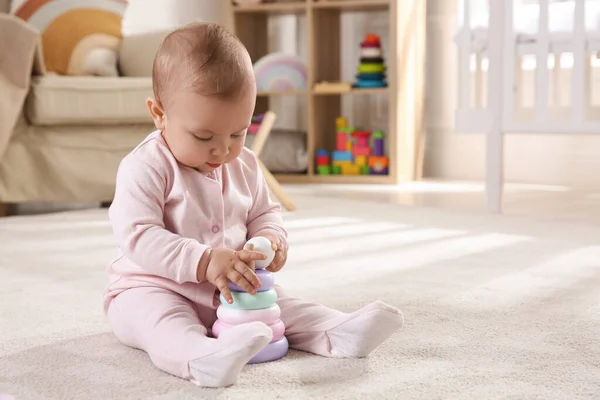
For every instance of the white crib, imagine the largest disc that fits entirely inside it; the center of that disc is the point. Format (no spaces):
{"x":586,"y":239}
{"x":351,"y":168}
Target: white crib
{"x":512,"y":67}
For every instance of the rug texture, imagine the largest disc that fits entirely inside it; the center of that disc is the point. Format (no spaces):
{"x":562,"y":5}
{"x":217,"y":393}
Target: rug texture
{"x":495,"y":308}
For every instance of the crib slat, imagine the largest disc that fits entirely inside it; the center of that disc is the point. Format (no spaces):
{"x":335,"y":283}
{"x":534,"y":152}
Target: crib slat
{"x":509,"y":59}
{"x":556,"y":81}
{"x":494,"y":160}
{"x":465,"y":58}
{"x":579,"y":58}
{"x":542,"y":50}
{"x":478,"y":81}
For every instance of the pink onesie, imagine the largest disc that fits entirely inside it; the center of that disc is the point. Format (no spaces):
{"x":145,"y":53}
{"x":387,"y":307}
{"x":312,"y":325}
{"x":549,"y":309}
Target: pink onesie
{"x":164,"y":216}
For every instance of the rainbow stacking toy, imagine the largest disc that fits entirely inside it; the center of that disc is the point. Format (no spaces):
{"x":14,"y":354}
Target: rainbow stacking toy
{"x":280,"y":72}
{"x":259,"y":307}
{"x":371,"y":70}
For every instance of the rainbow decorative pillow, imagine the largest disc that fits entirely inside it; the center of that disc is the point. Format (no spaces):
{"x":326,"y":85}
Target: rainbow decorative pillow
{"x":279,"y":72}
{"x":79,"y":37}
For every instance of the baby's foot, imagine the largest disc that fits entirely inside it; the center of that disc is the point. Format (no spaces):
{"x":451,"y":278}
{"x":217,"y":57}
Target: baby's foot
{"x":364,"y":330}
{"x":229,"y":353}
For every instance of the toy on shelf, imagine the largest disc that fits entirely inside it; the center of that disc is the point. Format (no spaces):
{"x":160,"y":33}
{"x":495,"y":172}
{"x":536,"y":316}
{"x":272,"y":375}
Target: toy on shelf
{"x":280,"y":72}
{"x":259,"y":307}
{"x":255,"y":124}
{"x":358,"y":152}
{"x":371,"y":70}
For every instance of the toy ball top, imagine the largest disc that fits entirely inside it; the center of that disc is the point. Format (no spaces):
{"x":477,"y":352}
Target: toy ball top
{"x":372,"y":39}
{"x":263,"y":245}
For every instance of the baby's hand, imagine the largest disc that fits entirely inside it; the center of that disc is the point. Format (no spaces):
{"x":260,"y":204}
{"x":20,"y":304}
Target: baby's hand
{"x":280,"y":252}
{"x":227,"y":265}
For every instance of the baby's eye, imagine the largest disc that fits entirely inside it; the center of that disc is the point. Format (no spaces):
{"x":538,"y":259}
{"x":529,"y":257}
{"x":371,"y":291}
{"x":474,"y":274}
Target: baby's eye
{"x":237,"y":135}
{"x":203,"y":139}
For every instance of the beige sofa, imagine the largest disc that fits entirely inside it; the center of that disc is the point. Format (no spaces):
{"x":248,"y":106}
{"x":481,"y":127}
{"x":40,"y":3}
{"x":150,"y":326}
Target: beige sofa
{"x":61,"y":137}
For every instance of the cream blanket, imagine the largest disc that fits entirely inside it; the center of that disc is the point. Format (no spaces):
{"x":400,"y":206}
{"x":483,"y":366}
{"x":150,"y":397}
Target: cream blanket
{"x":20,"y":56}
{"x":496,"y":308}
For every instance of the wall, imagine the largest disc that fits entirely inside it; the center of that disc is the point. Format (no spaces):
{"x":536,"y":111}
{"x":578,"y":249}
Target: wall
{"x":544,"y":159}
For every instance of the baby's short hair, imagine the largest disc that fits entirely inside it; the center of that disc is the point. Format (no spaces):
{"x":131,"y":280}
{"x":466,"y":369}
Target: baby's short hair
{"x":203,"y":57}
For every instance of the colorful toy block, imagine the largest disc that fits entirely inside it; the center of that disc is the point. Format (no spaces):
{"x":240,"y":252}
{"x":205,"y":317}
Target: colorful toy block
{"x":341,"y":141}
{"x":341,"y":156}
{"x":361,"y":160}
{"x":378,"y":165}
{"x":361,"y":138}
{"x":323,"y":160}
{"x":361,"y":151}
{"x":341,"y":123}
{"x":323,"y":169}
{"x":346,"y":167}
{"x":378,"y":144}
{"x":358,"y":152}
{"x":350,"y":169}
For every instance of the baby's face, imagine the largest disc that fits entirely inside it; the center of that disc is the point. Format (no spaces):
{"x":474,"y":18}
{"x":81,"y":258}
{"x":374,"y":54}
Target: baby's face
{"x":206,"y":132}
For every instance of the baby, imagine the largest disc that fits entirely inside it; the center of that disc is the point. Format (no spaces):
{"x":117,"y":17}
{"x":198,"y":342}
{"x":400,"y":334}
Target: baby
{"x":187,"y":199}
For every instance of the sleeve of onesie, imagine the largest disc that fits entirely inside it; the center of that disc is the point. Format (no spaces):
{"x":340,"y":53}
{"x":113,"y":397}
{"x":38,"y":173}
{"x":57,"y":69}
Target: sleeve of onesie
{"x":265,"y":214}
{"x":136,"y":214}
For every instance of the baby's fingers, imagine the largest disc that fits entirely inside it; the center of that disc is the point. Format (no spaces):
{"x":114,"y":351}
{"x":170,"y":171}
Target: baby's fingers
{"x":248,"y":255}
{"x":278,"y":260}
{"x":248,"y":273}
{"x":223,"y":284}
{"x":241,"y":282}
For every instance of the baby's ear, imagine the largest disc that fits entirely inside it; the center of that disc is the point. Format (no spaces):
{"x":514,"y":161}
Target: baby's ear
{"x":156,"y":112}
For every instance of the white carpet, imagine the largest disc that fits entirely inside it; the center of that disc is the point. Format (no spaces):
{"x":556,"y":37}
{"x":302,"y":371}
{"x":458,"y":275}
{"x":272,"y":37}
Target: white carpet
{"x":495,"y":308}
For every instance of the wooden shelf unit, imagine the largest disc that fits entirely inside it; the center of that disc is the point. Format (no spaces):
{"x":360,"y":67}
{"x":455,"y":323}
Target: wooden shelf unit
{"x":405,"y":60}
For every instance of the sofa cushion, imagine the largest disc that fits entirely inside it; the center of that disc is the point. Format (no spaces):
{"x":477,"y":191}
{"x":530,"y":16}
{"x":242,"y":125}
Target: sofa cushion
{"x":73,"y":100}
{"x":137,"y":52}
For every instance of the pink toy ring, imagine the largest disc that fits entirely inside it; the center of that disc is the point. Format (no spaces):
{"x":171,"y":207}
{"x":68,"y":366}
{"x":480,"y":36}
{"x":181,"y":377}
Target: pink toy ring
{"x":273,"y":351}
{"x":277,"y":327}
{"x":234,"y":316}
{"x":267,"y":279}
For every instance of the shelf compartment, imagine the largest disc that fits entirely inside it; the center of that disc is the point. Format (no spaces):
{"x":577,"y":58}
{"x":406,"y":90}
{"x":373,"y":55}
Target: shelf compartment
{"x":295,"y":7}
{"x":353,"y":5}
{"x":268,"y":93}
{"x":338,"y":179}
{"x":353,"y":91}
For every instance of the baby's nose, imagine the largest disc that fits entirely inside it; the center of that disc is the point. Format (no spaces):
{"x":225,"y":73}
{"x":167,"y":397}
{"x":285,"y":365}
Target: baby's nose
{"x":221,"y":150}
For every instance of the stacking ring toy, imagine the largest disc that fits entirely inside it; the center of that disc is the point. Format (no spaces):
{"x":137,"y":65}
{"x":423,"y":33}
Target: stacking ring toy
{"x":231,"y":316}
{"x":246,"y":301}
{"x":370,"y":84}
{"x":273,"y":351}
{"x":265,"y":277}
{"x":277,"y":327}
{"x":371,"y":68}
{"x":263,"y":245}
{"x":370,"y":52}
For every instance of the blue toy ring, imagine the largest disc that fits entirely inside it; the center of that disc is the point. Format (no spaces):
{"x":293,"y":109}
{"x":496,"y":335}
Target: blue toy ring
{"x":246,"y":301}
